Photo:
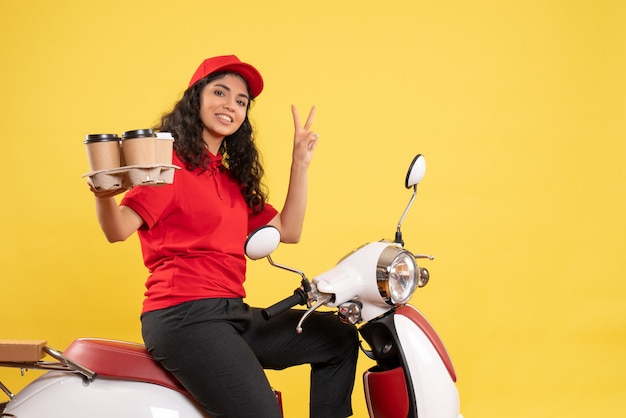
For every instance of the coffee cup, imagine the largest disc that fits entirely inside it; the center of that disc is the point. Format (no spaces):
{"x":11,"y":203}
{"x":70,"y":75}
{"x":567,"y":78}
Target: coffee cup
{"x":164,"y":148}
{"x":103,"y":151}
{"x":138,"y":147}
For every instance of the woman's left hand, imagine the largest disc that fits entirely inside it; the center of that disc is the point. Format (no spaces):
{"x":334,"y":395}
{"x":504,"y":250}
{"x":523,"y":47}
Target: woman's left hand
{"x":304,"y":140}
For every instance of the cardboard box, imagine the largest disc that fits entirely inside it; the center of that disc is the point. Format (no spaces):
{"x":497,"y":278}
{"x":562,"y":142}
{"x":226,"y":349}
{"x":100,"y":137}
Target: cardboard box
{"x":21,"y":350}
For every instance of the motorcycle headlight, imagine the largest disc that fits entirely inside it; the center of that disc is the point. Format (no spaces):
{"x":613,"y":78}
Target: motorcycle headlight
{"x":396,"y":275}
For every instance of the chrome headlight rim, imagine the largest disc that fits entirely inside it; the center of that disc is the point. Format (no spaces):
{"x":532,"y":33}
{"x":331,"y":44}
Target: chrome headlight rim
{"x":397,"y":275}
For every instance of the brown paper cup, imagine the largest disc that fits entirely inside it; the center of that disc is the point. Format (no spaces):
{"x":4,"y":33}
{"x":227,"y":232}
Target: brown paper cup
{"x":103,"y":151}
{"x":164,"y":148}
{"x":139,"y":147}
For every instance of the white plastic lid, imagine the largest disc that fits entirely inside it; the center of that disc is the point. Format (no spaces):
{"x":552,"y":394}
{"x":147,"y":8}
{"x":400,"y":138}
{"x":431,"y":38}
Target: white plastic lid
{"x":164,"y":135}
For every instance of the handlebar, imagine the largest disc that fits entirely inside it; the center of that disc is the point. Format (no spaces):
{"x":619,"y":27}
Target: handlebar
{"x":298,"y":298}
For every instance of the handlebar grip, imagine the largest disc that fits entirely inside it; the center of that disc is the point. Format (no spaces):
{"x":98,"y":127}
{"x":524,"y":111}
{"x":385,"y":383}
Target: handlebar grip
{"x":298,"y":298}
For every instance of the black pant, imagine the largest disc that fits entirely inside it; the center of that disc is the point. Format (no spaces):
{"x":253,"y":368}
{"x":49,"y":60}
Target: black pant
{"x":218,"y":349}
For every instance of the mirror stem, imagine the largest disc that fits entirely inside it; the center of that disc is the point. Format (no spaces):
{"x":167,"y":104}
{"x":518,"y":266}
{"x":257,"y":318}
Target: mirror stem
{"x":399,"y":239}
{"x":280,"y":266}
{"x":398,"y":232}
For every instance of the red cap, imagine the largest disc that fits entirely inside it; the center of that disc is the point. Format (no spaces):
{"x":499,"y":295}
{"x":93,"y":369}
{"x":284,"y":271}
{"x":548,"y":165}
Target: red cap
{"x":230,"y":63}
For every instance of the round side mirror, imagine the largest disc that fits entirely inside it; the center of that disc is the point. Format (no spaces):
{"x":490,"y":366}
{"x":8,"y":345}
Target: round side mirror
{"x":416,"y":171}
{"x":262,"y":242}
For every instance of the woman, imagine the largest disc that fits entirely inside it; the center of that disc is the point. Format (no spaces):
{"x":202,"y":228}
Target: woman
{"x":192,"y":233}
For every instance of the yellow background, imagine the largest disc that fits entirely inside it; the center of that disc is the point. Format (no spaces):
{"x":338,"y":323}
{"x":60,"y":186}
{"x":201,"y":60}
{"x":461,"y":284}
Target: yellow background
{"x":519,"y":108}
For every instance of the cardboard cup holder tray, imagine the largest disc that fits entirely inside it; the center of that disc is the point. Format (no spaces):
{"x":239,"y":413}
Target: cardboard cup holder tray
{"x":130,"y":176}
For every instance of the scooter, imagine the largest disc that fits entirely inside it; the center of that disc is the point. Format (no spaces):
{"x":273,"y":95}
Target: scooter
{"x":370,"y":288}
{"x":93,"y":378}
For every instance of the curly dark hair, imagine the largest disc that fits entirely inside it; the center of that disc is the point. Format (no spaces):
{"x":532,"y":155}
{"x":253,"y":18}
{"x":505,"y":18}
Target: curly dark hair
{"x":239,"y":152}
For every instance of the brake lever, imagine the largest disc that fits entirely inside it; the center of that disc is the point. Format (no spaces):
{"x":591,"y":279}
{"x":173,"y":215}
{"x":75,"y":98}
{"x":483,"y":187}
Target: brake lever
{"x":320,"y":302}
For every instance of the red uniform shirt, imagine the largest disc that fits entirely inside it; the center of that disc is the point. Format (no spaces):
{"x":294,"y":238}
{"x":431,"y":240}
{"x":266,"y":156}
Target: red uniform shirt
{"x":193,"y":235}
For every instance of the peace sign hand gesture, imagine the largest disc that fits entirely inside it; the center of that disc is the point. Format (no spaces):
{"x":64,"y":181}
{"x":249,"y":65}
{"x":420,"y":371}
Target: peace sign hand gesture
{"x":304,"y":140}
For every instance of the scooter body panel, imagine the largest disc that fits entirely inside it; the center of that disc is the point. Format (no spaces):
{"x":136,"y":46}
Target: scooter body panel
{"x":413,"y":372}
{"x":386,"y":393}
{"x":67,"y":395}
{"x":433,"y":385}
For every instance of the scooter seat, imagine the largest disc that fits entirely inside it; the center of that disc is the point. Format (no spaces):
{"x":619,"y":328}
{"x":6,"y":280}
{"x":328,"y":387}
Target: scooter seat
{"x":121,"y":360}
